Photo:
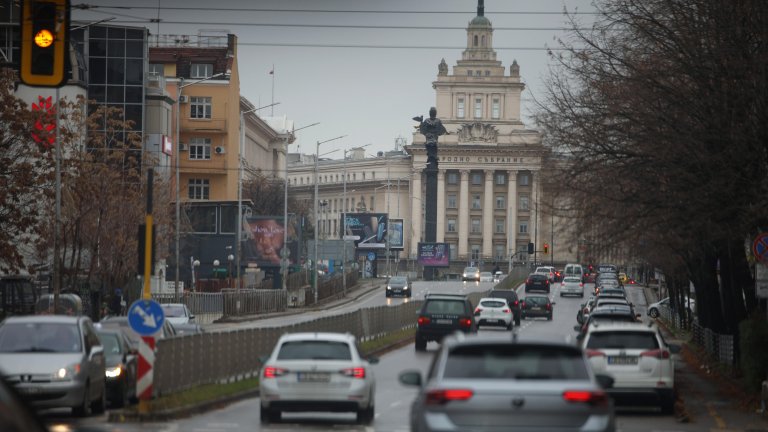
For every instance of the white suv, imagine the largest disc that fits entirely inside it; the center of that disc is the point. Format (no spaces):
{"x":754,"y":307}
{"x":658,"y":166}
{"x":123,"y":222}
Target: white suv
{"x":639,"y":360}
{"x":547,"y":270}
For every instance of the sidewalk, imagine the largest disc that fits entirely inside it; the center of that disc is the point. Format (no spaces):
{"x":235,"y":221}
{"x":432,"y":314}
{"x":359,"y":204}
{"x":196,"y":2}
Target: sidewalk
{"x":706,"y":397}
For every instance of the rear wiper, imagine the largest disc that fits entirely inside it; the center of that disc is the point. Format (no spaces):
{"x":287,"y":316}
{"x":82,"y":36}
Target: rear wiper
{"x":532,"y":377}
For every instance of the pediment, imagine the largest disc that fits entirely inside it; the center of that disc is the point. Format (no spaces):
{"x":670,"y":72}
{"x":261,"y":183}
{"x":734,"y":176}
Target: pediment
{"x":477,"y":132}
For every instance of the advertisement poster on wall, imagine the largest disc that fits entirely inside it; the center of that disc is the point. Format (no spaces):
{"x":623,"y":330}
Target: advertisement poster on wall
{"x":395,"y":234}
{"x":434,"y":254}
{"x":263,"y":244}
{"x":369,"y":228}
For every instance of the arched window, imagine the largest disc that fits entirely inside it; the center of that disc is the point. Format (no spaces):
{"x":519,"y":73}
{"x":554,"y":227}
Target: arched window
{"x":482,"y":40}
{"x":475,"y":40}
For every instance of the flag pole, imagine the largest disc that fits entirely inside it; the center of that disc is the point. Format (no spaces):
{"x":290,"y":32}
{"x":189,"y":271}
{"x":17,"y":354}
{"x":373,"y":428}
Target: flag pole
{"x":272,"y":72}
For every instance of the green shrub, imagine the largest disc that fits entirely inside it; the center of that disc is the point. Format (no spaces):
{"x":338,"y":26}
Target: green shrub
{"x":753,"y":339}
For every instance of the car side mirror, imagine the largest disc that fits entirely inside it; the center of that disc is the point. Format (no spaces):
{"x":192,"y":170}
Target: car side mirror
{"x":605,"y":381}
{"x":96,"y":350}
{"x":675,"y":349}
{"x":553,"y":303}
{"x":373,"y":360}
{"x":191,"y":318}
{"x":410,"y":378}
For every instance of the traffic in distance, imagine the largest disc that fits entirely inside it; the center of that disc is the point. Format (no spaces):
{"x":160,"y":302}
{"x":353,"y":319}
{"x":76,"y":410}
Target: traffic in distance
{"x":488,"y":347}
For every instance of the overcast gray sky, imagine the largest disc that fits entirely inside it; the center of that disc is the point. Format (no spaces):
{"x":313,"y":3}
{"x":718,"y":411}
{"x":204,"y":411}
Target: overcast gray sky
{"x":362,"y":68}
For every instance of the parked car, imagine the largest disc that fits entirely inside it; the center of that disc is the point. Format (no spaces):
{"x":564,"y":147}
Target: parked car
{"x":177,"y":313}
{"x":486,"y":277}
{"x":494,"y":312}
{"x":572,"y":285}
{"x":399,"y":285}
{"x":639,"y":360}
{"x":512,"y":300}
{"x":441,"y":315}
{"x":55,"y":361}
{"x":121,"y":361}
{"x":186,"y":329}
{"x":537,"y":282}
{"x":484,"y":383}
{"x":654,"y":309}
{"x":470,"y":274}
{"x":317,"y":372}
{"x":537,"y":306}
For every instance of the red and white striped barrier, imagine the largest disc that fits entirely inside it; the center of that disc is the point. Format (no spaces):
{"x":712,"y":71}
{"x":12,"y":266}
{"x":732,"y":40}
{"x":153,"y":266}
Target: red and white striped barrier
{"x":145,"y":366}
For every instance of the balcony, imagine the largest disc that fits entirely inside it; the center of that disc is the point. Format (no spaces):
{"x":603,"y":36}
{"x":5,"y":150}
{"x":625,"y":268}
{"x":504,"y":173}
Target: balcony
{"x":211,"y":125}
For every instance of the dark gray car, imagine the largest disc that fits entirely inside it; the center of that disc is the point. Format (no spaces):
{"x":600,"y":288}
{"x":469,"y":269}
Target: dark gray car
{"x":399,"y":285}
{"x":486,"y":383}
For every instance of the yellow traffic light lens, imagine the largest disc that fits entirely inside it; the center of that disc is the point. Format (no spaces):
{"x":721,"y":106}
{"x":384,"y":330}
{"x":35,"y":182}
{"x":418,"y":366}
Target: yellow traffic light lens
{"x":44,"y":38}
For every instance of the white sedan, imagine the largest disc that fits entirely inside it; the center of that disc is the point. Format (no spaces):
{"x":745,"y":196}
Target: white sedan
{"x":493,"y":311}
{"x":486,"y":277}
{"x":177,"y":313}
{"x":572,"y":285}
{"x":317,"y":372}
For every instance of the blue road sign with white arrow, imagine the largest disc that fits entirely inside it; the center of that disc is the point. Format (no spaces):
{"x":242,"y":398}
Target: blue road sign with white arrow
{"x":146,"y":317}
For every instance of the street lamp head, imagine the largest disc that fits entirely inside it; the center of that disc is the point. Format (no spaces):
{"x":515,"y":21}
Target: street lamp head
{"x":196,"y":263}
{"x":230,"y":257}
{"x":216,"y":263}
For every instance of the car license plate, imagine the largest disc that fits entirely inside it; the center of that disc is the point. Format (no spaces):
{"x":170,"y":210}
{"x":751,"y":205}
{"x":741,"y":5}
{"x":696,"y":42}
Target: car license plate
{"x":314,"y":377}
{"x":28,"y":390}
{"x":622,"y":360}
{"x":444,"y":321}
{"x":536,"y":308}
{"x":490,"y":321}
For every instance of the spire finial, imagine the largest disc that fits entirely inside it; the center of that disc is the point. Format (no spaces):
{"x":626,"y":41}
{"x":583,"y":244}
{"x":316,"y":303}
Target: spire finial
{"x":480,"y":8}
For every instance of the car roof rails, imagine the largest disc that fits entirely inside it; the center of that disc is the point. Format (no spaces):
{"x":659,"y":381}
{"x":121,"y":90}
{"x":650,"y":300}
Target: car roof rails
{"x":444,"y":295}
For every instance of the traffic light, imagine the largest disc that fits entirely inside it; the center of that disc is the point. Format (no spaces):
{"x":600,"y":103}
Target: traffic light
{"x":530,"y":248}
{"x":44,"y":42}
{"x":546,"y":248}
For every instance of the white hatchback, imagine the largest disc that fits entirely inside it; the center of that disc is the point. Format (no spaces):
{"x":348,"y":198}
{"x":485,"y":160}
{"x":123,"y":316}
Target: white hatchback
{"x":572,"y":285}
{"x":639,"y":360}
{"x":493,"y":311}
{"x":317,"y":372}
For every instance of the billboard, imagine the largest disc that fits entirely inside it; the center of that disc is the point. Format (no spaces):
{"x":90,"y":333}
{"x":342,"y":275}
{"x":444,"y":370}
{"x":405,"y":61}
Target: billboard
{"x":368,"y":229}
{"x":434,"y":254}
{"x":395,"y":235}
{"x":263,"y":242}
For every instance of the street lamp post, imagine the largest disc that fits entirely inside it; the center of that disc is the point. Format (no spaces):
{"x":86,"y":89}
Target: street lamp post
{"x":314,"y":204}
{"x":284,"y":251}
{"x":195,"y":265}
{"x":344,"y":227}
{"x":230,"y":258}
{"x":178,"y":175}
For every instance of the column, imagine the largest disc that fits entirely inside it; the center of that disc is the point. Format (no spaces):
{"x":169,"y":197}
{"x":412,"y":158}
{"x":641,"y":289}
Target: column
{"x":488,"y":222}
{"x":416,"y":215}
{"x":440,"y":206}
{"x":511,"y":214}
{"x":463,"y":214}
{"x":534,"y":205}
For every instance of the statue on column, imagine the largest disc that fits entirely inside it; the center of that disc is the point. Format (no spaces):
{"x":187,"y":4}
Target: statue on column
{"x":431,"y":128}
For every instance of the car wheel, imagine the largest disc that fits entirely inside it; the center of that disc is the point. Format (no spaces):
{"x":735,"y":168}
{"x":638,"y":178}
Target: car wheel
{"x":517,"y":321}
{"x":84,"y":409}
{"x":668,"y":405}
{"x":420,"y":344}
{"x":365,"y":416}
{"x":549,"y":317}
{"x":653,"y":313}
{"x":269,"y":415}
{"x":509,"y":326}
{"x":100,"y":405}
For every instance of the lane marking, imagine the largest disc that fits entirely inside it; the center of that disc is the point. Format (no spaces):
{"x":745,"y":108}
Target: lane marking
{"x":713,"y":413}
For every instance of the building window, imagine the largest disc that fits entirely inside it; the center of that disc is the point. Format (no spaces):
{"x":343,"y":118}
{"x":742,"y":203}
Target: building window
{"x":500,"y":202}
{"x":451,"y":201}
{"x":200,"y":70}
{"x":478,"y":73}
{"x":475,"y":229}
{"x":524,"y":180}
{"x":371,"y":208}
{"x":475,"y":252}
{"x":199,"y":189}
{"x":478,"y":107}
{"x":477,"y":178}
{"x":487,"y":73}
{"x":228,"y":222}
{"x":496,"y":108}
{"x":482,"y":40}
{"x":501,"y":179}
{"x":469,"y":73}
{"x":523,"y":227}
{"x":200,"y":107}
{"x":460,"y":108}
{"x":499,"y":253}
{"x":157,"y":69}
{"x":199,"y":148}
{"x":453,"y":178}
{"x":202,"y":219}
{"x":453,"y":248}
{"x":476,"y":202}
{"x":451,"y":225}
{"x":475,"y":40}
{"x":523,"y":201}
{"x":499,"y":226}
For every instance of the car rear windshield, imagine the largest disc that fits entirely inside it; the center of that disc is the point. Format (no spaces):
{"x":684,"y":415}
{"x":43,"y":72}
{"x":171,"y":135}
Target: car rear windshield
{"x":444,"y":307}
{"x":572,"y":279}
{"x":514,"y":361}
{"x":40,"y":337}
{"x":314,"y":350}
{"x":623,"y":340}
{"x":536,"y":300}
{"x":174,"y":311}
{"x":493,"y":303}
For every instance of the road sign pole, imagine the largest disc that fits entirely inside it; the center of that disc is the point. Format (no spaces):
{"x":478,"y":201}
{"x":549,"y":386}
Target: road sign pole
{"x":146,"y":317}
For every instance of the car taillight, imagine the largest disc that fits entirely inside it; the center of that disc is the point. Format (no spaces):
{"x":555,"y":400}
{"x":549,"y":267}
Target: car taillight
{"x":657,"y":353}
{"x":549,"y":306}
{"x":516,"y":302}
{"x":591,"y":397}
{"x":546,"y":281}
{"x":506,"y":311}
{"x":443,"y":396}
{"x":562,"y":284}
{"x":274,"y":372}
{"x":594,"y":353}
{"x":528,"y":281}
{"x":423,"y":320}
{"x":522,"y":305}
{"x":356,"y":372}
{"x":581,"y":284}
{"x":465,"y":322}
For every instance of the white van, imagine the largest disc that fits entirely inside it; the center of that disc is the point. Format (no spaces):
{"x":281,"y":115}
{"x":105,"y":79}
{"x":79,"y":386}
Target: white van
{"x":574,"y":270}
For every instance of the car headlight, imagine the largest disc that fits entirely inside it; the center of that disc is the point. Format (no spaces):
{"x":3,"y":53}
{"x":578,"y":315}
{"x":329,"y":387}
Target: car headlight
{"x":66,"y":373}
{"x":113,"y":372}
{"x":389,"y":287}
{"x":405,"y":287}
